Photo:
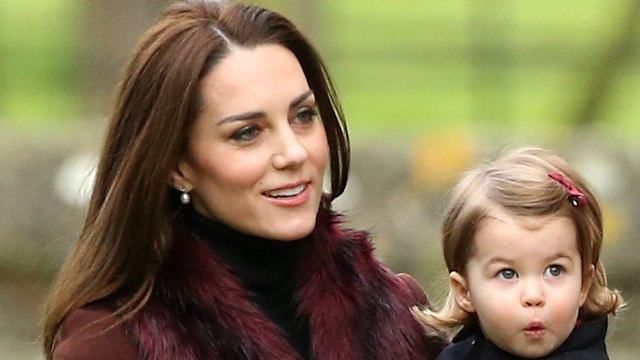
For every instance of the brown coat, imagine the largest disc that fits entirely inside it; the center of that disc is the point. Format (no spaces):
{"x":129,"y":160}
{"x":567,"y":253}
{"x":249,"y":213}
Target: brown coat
{"x":357,"y":310}
{"x":84,"y":334}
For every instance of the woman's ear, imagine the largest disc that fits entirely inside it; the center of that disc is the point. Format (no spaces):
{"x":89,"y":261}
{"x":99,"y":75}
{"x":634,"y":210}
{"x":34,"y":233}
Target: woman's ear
{"x":179,"y":176}
{"x":460,"y":290}
{"x":587,"y":280}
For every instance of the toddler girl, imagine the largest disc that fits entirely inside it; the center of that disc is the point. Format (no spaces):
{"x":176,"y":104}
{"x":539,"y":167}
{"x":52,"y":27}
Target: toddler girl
{"x":522,"y":239}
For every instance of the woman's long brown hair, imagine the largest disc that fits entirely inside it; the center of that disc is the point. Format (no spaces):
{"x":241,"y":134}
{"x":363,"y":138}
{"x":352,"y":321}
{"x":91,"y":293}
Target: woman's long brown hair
{"x":129,"y":223}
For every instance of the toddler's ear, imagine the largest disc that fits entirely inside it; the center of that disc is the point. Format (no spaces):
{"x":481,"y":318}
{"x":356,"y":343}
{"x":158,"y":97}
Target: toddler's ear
{"x":460,"y":290}
{"x":587,"y":280}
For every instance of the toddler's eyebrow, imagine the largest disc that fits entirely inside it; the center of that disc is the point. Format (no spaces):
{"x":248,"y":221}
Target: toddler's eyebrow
{"x":499,"y":259}
{"x":559,"y":255}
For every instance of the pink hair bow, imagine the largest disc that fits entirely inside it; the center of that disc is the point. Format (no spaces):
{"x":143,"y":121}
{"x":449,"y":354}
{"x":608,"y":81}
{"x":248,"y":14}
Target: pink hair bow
{"x":576,"y":197}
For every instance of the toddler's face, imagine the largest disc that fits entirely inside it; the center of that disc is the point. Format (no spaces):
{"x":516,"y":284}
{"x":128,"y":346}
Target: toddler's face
{"x":524,"y":281}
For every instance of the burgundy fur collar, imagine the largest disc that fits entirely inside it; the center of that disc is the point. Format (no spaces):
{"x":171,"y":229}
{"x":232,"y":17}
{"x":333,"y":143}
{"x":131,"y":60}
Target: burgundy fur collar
{"x":357,"y":308}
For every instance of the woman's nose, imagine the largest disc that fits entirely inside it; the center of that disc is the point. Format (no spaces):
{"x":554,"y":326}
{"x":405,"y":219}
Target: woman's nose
{"x":289,"y":150}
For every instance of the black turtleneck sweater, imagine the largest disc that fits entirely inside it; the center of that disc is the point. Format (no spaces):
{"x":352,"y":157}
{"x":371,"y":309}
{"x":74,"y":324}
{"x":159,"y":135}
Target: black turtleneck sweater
{"x":266,"y":268}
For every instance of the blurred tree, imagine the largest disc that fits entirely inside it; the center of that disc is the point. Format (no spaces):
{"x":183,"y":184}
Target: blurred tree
{"x":604,"y":74}
{"x":112,"y":27}
{"x":305,"y":13}
{"x":38,"y":60}
{"x":490,"y":59}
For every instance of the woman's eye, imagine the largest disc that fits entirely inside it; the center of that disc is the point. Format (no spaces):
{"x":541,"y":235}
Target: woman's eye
{"x":507,"y":274}
{"x":306,"y":115}
{"x":246,"y":133}
{"x":554,"y":270}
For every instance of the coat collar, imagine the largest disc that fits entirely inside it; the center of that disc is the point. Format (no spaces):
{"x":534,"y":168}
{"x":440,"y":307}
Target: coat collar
{"x":357,"y":309}
{"x":588,"y":337}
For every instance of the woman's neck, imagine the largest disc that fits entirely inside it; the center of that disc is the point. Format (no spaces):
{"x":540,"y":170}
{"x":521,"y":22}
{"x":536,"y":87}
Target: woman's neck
{"x":259,"y":263}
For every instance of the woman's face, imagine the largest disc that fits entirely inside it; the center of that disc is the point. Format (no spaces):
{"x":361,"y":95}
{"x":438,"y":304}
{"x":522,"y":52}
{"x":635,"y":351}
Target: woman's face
{"x":257,"y":152}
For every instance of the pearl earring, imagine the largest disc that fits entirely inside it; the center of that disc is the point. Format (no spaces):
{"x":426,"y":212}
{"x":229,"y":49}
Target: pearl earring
{"x":185,"y":198}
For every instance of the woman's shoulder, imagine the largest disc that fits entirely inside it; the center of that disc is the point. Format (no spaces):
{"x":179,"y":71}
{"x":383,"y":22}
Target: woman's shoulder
{"x":93,"y":332}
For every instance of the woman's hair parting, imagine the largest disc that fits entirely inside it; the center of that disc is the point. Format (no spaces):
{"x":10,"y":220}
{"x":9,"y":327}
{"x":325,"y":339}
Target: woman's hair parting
{"x":526,"y":181}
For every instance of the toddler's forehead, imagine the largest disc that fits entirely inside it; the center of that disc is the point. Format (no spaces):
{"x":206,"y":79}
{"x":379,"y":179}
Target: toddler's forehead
{"x":494,"y":212}
{"x":505,"y":232}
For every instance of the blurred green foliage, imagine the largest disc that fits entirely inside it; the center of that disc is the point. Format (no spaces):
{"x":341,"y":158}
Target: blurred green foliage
{"x":443,"y":72}
{"x":39,"y":52}
{"x":413,"y":65}
{"x":417,"y":65}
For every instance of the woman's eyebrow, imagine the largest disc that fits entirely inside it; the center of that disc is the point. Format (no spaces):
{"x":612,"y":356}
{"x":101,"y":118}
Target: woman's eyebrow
{"x":297,"y":101}
{"x":258,"y":114}
{"x":241,"y":117}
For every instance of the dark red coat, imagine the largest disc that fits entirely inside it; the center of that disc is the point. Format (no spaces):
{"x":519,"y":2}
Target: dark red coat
{"x":357,"y":309}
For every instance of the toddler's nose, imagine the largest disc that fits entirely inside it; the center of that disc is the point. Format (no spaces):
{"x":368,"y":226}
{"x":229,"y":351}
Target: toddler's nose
{"x":532,"y":295}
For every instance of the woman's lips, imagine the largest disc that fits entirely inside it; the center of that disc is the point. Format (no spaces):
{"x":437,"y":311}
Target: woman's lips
{"x":286,"y":191}
{"x":289,"y":196}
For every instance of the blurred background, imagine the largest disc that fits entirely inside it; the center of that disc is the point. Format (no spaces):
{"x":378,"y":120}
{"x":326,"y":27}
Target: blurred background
{"x":429,"y":88}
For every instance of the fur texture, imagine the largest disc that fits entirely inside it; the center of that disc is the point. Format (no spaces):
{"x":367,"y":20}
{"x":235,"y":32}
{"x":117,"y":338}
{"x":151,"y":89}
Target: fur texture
{"x":358,"y":309}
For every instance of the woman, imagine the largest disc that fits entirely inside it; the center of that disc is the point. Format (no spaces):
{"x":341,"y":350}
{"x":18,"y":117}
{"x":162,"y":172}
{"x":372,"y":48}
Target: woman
{"x":208,"y":235}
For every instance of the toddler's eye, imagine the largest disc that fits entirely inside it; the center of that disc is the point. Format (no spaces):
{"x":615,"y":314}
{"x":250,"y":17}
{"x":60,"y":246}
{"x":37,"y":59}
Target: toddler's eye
{"x":507,"y":274}
{"x":554,"y":270}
